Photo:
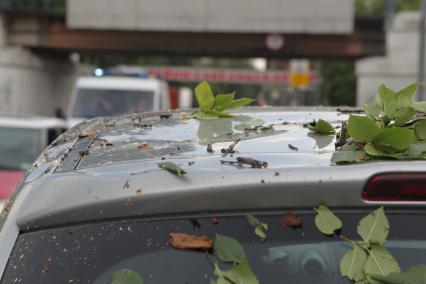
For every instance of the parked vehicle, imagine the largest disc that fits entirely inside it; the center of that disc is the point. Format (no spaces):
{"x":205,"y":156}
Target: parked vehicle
{"x":114,"y":190}
{"x":22,"y":139}
{"x":114,"y":95}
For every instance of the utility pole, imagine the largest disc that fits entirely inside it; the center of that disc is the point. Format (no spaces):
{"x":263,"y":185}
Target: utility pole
{"x":421,"y":66}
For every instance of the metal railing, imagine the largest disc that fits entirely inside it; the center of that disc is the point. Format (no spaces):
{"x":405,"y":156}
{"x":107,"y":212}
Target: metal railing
{"x":35,"y":6}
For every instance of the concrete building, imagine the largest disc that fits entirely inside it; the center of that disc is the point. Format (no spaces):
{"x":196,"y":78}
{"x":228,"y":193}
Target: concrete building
{"x":279,"y":16}
{"x":399,"y":67}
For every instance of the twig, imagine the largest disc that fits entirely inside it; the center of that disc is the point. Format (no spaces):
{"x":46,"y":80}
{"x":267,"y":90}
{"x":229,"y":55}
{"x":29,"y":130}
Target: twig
{"x":342,"y":136}
{"x":247,"y":161}
{"x":230,"y":149}
{"x":291,"y":147}
{"x":210,"y":148}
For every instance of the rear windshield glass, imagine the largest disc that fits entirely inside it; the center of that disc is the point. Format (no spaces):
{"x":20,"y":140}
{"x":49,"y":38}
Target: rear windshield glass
{"x":93,"y":253}
{"x":97,"y":102}
{"x":19,"y":147}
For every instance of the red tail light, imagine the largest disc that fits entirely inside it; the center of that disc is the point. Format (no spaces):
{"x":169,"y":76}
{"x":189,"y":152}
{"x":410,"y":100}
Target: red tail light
{"x":394,"y":187}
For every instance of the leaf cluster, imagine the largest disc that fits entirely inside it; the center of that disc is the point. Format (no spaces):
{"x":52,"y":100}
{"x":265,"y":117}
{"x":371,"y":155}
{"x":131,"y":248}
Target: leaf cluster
{"x":393,"y":128}
{"x":321,"y":127}
{"x":368,"y":262}
{"x":260,"y":228}
{"x":213,"y":107}
{"x":229,"y":250}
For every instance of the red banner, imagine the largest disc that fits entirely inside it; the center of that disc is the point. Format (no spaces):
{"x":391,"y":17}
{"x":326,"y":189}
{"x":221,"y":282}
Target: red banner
{"x":224,"y":75}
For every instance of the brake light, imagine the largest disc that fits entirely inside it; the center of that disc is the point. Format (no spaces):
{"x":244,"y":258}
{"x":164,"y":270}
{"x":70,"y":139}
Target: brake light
{"x":394,"y":187}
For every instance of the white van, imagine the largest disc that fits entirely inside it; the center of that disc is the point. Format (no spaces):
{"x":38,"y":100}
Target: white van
{"x":111,"y":95}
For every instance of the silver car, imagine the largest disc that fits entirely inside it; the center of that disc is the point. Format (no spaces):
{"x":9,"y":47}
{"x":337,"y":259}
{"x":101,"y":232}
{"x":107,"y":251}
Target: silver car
{"x":111,"y":193}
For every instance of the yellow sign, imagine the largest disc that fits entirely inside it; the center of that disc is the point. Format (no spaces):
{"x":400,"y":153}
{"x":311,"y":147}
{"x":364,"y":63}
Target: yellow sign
{"x":299,"y":73}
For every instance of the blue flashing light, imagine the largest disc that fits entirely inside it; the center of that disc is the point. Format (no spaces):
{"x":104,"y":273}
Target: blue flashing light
{"x":99,"y":72}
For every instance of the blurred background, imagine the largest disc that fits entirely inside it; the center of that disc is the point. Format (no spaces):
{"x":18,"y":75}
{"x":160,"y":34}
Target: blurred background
{"x":76,"y":59}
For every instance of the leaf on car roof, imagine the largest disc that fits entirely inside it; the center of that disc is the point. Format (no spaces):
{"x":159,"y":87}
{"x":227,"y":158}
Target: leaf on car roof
{"x":347,"y":157}
{"x":126,"y":184}
{"x":173,"y":168}
{"x":352,"y":263}
{"x":259,"y":227}
{"x":413,"y":275}
{"x":326,"y":221}
{"x":321,"y":127}
{"x":186,"y":241}
{"x":240,"y":273}
{"x":362,"y":128}
{"x":228,"y":249}
{"x":213,"y":107}
{"x":380,"y":262}
{"x":126,"y":276}
{"x":374,"y":227}
{"x":291,"y":220}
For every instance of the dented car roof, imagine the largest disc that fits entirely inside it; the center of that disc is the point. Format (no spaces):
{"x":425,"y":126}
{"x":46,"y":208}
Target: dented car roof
{"x":108,"y":168}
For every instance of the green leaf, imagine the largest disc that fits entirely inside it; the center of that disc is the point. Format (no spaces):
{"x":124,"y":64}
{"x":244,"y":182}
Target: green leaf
{"x":238,"y":103}
{"x":228,"y":249}
{"x":220,"y":101}
{"x":405,"y":96}
{"x":173,"y":168}
{"x":372,"y":151}
{"x":253,"y":221}
{"x":373,"y":111}
{"x":204,"y":95}
{"x":323,"y":127}
{"x":352,"y":263}
{"x":326,"y":221}
{"x":404,"y":115}
{"x":389,"y":100}
{"x":420,"y":106}
{"x":126,"y":276}
{"x":347,"y":157}
{"x":126,"y":184}
{"x":414,"y":275}
{"x":260,"y":232}
{"x":374,"y":227}
{"x":420,"y":130}
{"x":259,"y":227}
{"x":204,"y":115}
{"x":380,"y":262}
{"x":238,"y":274}
{"x":398,"y":138}
{"x":362,"y":128}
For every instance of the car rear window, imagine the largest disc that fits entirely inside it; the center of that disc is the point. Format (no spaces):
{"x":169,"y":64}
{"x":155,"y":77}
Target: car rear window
{"x":91,"y":253}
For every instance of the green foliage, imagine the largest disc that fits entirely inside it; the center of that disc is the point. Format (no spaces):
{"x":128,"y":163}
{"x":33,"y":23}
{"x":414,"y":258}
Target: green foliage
{"x":413,"y":275}
{"x":211,"y":107}
{"x":240,"y":273}
{"x":321,"y":127}
{"x":259,"y":227}
{"x":352,"y":263}
{"x":362,"y":129}
{"x":326,"y":221}
{"x":374,"y":227}
{"x":173,"y":168}
{"x":347,"y":157}
{"x":368,"y":259}
{"x":376,"y":7}
{"x":393,"y":128}
{"x":338,"y":86}
{"x":228,"y":249}
{"x":126,"y":276}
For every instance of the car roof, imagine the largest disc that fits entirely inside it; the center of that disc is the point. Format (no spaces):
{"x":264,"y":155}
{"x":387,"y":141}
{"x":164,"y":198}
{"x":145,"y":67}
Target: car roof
{"x":33,"y":122}
{"x":81,"y":177}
